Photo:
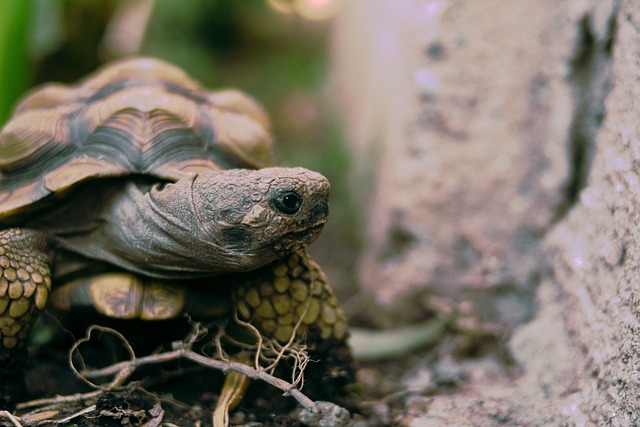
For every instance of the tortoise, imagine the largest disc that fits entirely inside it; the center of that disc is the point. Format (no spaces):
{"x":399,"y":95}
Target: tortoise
{"x":135,"y":190}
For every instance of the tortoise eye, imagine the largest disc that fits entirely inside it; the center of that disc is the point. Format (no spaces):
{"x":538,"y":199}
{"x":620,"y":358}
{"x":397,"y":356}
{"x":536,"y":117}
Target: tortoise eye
{"x":288,"y":203}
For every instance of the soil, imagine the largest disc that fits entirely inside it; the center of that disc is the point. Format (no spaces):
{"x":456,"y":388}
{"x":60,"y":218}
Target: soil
{"x":179,"y":391}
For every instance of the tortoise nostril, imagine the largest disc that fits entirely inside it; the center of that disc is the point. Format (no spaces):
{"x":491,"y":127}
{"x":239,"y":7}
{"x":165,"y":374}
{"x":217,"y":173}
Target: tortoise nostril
{"x":320,"y":209}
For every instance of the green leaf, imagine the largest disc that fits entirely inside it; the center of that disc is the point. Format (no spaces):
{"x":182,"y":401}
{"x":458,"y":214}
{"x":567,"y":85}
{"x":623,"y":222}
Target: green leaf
{"x":14,"y":52}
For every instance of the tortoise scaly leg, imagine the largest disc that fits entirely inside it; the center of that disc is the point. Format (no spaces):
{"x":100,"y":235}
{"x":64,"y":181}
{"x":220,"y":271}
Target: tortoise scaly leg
{"x":292,"y":298}
{"x":25,"y":282}
{"x":292,"y":302}
{"x":278,"y":295}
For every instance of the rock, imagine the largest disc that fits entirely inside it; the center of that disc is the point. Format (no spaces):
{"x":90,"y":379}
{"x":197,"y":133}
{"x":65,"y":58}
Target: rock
{"x":459,"y":116}
{"x":501,"y":141}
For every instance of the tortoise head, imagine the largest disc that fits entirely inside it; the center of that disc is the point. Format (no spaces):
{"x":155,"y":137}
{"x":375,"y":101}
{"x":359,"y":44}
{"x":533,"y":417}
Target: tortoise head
{"x":258,"y":216}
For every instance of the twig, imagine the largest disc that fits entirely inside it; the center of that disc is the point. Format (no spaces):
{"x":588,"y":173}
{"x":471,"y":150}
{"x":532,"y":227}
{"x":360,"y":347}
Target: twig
{"x":256,"y":374}
{"x":11,"y":418}
{"x":58,"y":399}
{"x":185,"y":353}
{"x":72,"y":416}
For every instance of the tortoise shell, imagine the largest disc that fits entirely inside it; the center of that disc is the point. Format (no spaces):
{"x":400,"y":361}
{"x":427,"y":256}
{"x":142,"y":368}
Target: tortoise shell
{"x":138,"y":116}
{"x":135,"y":248}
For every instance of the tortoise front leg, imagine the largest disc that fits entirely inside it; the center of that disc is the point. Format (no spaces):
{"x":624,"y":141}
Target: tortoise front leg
{"x":292,"y":296}
{"x":292,"y":300}
{"x":25,"y":283}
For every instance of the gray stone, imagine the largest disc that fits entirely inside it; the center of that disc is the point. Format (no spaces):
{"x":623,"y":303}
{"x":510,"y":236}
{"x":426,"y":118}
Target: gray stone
{"x":501,"y":144}
{"x":459,"y":117}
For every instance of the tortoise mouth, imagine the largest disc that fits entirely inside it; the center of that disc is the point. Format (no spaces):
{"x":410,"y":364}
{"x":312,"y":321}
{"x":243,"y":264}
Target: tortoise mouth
{"x":305,"y":236}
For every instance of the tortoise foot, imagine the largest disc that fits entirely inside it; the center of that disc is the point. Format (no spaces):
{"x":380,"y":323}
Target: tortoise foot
{"x":292,"y":301}
{"x":292,"y":297}
{"x":25,"y":283}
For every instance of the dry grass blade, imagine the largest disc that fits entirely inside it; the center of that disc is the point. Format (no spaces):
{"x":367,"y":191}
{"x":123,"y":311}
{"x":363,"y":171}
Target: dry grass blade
{"x":231,"y":394}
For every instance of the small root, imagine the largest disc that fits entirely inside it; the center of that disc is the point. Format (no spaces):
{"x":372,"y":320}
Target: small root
{"x":121,"y":376}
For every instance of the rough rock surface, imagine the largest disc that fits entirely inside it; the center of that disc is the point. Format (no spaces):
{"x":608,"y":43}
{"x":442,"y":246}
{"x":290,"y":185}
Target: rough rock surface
{"x":459,"y":114}
{"x":501,"y":143}
{"x":595,"y":254}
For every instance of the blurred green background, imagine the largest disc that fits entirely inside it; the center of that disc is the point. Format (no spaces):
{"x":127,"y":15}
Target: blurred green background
{"x":276,"y":50}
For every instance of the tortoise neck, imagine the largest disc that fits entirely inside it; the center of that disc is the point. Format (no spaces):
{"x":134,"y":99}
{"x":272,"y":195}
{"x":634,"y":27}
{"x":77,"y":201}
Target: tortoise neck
{"x":157,"y":232}
{"x":152,"y":230}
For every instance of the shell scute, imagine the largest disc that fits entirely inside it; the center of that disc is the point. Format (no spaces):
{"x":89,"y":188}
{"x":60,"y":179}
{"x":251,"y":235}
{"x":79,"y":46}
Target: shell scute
{"x":49,"y":96}
{"x":77,"y":170}
{"x":33,"y":135}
